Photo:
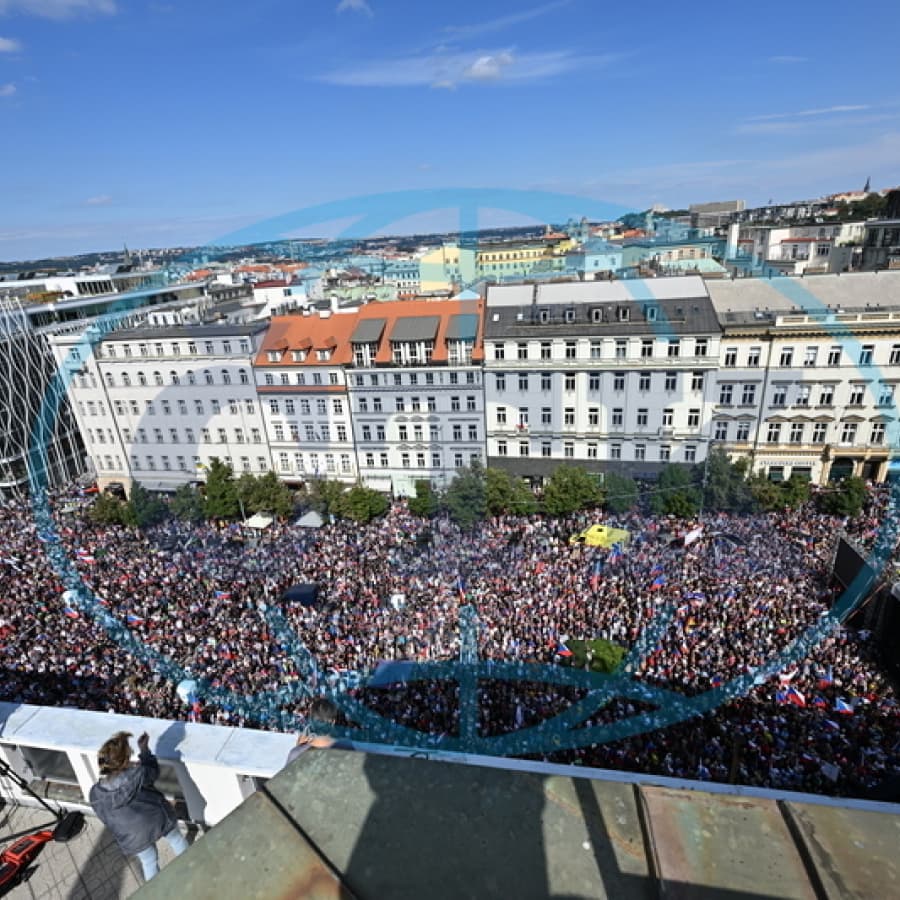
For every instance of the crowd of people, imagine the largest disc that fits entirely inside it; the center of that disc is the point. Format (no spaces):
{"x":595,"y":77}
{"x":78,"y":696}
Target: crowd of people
{"x":208,"y":598}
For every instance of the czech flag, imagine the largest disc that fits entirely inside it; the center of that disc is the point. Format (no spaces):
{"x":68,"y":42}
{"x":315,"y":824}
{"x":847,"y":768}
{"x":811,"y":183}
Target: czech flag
{"x":716,"y":681}
{"x":657,"y":582}
{"x":827,"y":679}
{"x":562,"y":649}
{"x":843,"y":707}
{"x":615,"y":553}
{"x":70,"y":613}
{"x":221,"y":595}
{"x":794,"y":696}
{"x":820,"y":702}
{"x":132,"y":619}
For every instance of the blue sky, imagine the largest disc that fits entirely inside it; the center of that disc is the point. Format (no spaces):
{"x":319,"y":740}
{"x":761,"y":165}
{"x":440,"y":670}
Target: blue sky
{"x":162,"y":123}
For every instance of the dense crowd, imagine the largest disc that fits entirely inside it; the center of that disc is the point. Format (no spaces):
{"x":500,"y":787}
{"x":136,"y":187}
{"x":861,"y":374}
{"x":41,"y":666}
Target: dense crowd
{"x":204,"y":597}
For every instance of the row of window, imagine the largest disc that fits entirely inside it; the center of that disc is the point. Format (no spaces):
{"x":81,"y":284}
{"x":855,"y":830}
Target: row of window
{"x":289,"y":406}
{"x":884,"y":394}
{"x":617,"y":349}
{"x":400,"y":379}
{"x":591,"y":450}
{"x":406,"y":460}
{"x":595,"y":380}
{"x":174,"y":348}
{"x":417,"y":432}
{"x":142,"y":379}
{"x":617,"y":417}
{"x":790,"y":356}
{"x":798,"y":432}
{"x":415,"y":404}
{"x":167,"y":407}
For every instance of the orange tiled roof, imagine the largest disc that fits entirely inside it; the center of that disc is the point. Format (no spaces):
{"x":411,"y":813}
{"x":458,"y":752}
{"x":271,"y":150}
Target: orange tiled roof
{"x":334,"y":332}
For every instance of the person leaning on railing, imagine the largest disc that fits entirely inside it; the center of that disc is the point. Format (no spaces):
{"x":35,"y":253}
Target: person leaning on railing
{"x":128,"y":804}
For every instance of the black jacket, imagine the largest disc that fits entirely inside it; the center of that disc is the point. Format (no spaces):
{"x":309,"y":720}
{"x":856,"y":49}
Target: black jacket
{"x":135,"y":812}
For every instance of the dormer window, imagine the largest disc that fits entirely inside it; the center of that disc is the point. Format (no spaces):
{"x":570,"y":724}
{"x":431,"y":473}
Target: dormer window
{"x":650,"y":313}
{"x":544,"y":315}
{"x":273,"y":355}
{"x":298,"y":355}
{"x":323,"y":355}
{"x":624,"y":313}
{"x":570,"y":315}
{"x":597,"y":314}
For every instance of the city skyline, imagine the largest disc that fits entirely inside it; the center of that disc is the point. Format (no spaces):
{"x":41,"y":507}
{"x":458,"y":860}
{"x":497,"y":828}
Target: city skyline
{"x":155,"y":125}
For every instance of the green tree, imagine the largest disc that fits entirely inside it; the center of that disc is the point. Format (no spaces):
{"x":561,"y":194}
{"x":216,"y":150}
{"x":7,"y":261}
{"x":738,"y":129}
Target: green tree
{"x":107,"y":510}
{"x":361,"y":504}
{"x":426,"y":501}
{"x":845,"y":498}
{"x":571,"y":488}
{"x":795,"y":491}
{"x":221,"y":500}
{"x":676,"y":494}
{"x":325,"y":496}
{"x":466,"y":499}
{"x":143,"y":509}
{"x":726,"y":483}
{"x":187,"y":504}
{"x":620,"y":493}
{"x":272,"y":495}
{"x":524,"y":503}
{"x":499,"y":491}
{"x":766,"y":493}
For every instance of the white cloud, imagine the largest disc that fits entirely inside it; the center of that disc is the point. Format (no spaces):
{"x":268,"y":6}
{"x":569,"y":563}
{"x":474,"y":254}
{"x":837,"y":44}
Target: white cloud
{"x":8,"y":45}
{"x":807,"y":113}
{"x":503,"y":22}
{"x":58,"y":9}
{"x":360,"y":6}
{"x":449,"y":70}
{"x":490,"y":67}
{"x":100,"y":200}
{"x":7,"y":90}
{"x":788,"y":60}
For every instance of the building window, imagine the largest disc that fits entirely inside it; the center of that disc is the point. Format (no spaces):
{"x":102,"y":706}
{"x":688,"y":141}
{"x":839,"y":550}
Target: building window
{"x":594,"y":416}
{"x":640,"y":452}
{"x":594,"y":381}
{"x":697,"y":381}
{"x":570,"y":349}
{"x":701,"y":347}
{"x":671,"y":381}
{"x":834,"y":356}
{"x":731,"y":357}
{"x":546,"y":449}
{"x":570,"y":381}
{"x":848,"y":433}
{"x":501,"y":415}
{"x":773,"y":436}
{"x":753,"y":357}
{"x":674,"y":348}
{"x":690,"y":453}
{"x":596,"y":349}
{"x":779,"y":395}
{"x":748,"y":395}
{"x":803,"y":392}
{"x":621,"y":348}
{"x":499,"y":351}
{"x":523,"y":381}
{"x":569,"y":417}
{"x":826,"y":395}
{"x":810,"y":355}
{"x":743,"y":431}
{"x":644,"y":381}
{"x":720,"y":431}
{"x":569,"y":449}
{"x":615,"y":451}
{"x":877,"y":433}
{"x":647,"y":348}
{"x":545,"y":381}
{"x":502,"y":448}
{"x":668,"y":416}
{"x":787,"y":357}
{"x":546,"y":415}
{"x":796,"y":436}
{"x":619,"y":381}
{"x":500,"y":383}
{"x":895,"y":355}
{"x":546,"y":350}
{"x":886,"y":395}
{"x":618,"y":417}
{"x":866,"y":353}
{"x":857,"y":395}
{"x":642,"y":418}
{"x":726,"y":394}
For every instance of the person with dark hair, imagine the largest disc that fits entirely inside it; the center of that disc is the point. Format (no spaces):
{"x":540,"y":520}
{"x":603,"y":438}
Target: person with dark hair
{"x":322,"y":710}
{"x":128,"y":804}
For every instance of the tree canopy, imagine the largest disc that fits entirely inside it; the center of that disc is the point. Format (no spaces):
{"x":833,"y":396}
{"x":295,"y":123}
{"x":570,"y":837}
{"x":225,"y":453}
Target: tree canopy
{"x":620,"y":493}
{"x":569,"y":489}
{"x":466,"y":498}
{"x":426,"y":502}
{"x":844,"y":498}
{"x":726,"y":489}
{"x":676,"y":493}
{"x":360,"y":503}
{"x":221,"y":497}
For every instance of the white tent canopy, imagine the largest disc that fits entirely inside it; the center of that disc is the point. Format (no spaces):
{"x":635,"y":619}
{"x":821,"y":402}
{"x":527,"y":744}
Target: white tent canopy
{"x":310,"y":519}
{"x":259,"y":521}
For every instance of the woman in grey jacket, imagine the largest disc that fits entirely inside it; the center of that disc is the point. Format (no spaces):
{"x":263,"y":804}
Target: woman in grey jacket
{"x":125,"y":800}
